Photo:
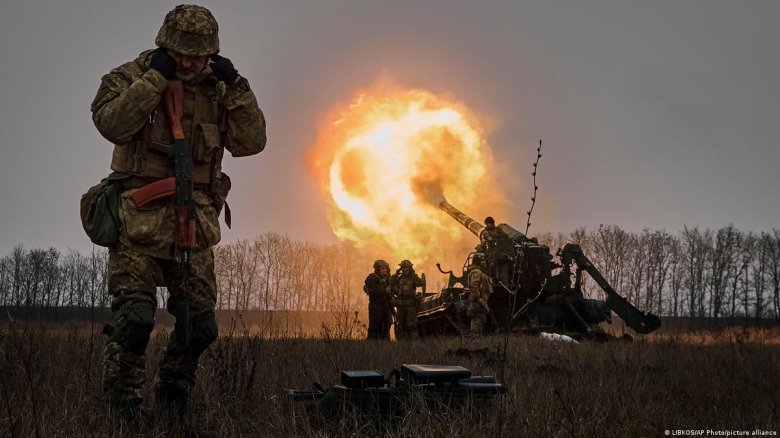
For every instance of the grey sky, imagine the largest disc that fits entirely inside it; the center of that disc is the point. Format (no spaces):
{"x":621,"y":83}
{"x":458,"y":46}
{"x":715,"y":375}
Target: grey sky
{"x":653,"y":114}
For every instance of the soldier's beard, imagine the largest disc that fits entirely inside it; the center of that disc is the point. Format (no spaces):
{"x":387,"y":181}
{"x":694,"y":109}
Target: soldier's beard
{"x":186,"y":77}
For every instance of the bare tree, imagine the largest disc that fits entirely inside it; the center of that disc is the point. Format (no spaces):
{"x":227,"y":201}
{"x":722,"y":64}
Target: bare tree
{"x":610,"y":249}
{"x":760,"y":267}
{"x":658,"y":263}
{"x":676,"y":277}
{"x":19,"y":266}
{"x":225,"y":275}
{"x":267,"y":250}
{"x":638,"y":271}
{"x":774,"y":268}
{"x":6,"y":280}
{"x":749,"y":248}
{"x":97,"y":278}
{"x":742,"y":257}
{"x":719,"y":260}
{"x":696,"y":246}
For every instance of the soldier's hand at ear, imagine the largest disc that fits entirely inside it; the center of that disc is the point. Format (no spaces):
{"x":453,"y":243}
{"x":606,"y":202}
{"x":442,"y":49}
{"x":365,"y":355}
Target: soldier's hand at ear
{"x":223,"y":69}
{"x":163,"y":63}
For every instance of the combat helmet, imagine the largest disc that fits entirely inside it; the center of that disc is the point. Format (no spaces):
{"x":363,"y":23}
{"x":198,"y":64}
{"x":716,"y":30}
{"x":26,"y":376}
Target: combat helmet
{"x":405,"y":264}
{"x":381,"y":264}
{"x":190,"y":30}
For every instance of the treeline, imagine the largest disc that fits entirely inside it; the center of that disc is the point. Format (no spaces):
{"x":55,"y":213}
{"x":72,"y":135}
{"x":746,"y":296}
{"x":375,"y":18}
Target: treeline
{"x":722,"y":273}
{"x":49,"y":278}
{"x":273,"y":272}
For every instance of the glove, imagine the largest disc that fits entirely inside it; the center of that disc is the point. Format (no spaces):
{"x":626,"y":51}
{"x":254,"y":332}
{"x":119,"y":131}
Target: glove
{"x":163,"y":63}
{"x":223,"y":69}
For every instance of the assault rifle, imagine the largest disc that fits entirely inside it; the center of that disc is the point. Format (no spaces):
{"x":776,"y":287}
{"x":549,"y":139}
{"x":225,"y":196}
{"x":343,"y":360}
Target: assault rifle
{"x":185,"y":209}
{"x":179,"y":185}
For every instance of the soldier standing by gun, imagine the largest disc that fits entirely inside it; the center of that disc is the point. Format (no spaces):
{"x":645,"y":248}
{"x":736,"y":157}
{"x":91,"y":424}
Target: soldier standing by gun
{"x":403,"y":286}
{"x":379,"y":307}
{"x":489,"y":237}
{"x":163,"y":237}
{"x":491,"y":233}
{"x":480,"y":290}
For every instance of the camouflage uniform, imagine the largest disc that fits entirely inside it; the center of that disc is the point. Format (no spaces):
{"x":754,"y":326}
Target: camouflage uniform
{"x":128,"y":111}
{"x":403,"y":286}
{"x":480,"y":290}
{"x":380,"y":312}
{"x":490,"y":234}
{"x":489,"y":237}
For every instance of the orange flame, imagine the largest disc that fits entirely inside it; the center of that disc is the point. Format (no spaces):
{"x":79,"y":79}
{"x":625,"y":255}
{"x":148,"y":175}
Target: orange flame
{"x":387,"y":159}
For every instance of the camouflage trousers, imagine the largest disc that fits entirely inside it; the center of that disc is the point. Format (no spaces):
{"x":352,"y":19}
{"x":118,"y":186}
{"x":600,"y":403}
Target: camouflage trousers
{"x":406,"y":325}
{"x":478,"y":316}
{"x":133,"y":278}
{"x":380,"y":317}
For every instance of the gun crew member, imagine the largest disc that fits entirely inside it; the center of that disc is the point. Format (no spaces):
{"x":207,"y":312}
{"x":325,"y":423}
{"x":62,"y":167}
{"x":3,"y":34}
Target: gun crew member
{"x":480,"y":290}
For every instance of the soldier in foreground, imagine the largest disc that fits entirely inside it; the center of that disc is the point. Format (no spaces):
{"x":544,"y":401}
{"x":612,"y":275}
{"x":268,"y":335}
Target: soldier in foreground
{"x":480,"y":290}
{"x":403,"y":286}
{"x":379,"y":306}
{"x":219,"y":112}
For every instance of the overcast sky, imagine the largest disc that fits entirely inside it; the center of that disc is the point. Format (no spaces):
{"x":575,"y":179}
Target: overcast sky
{"x":654,"y":114}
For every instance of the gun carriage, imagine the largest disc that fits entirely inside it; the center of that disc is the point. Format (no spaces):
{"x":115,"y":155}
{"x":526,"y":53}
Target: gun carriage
{"x":531,"y":288}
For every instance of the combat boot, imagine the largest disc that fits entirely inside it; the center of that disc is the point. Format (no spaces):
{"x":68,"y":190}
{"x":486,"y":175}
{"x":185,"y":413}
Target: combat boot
{"x":131,"y":415}
{"x":172,"y":403}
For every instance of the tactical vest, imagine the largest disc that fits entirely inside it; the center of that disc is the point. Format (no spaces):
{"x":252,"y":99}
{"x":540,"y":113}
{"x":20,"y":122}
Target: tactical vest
{"x":149,"y":154}
{"x":379,"y":293}
{"x":479,"y":284}
{"x":407,"y":286}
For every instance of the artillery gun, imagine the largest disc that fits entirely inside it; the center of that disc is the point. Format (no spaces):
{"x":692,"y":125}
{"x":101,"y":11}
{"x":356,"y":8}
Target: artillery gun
{"x":531,"y":288}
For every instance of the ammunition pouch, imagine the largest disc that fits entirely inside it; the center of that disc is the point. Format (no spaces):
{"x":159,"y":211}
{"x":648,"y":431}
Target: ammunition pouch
{"x":99,"y":211}
{"x":149,"y":153}
{"x":208,"y":232}
{"x":151,"y":225}
{"x":152,"y":160}
{"x":205,"y":143}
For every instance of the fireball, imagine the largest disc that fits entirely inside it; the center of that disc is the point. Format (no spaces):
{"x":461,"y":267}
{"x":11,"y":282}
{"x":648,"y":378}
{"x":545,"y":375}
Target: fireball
{"x":387,"y":159}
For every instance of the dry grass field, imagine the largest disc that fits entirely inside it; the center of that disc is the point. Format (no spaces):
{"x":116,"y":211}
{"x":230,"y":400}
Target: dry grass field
{"x":50,"y":384}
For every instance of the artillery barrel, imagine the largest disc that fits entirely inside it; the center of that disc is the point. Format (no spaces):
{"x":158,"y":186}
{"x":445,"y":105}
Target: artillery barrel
{"x":472,"y":225}
{"x":475,"y":227}
{"x":514,"y":235}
